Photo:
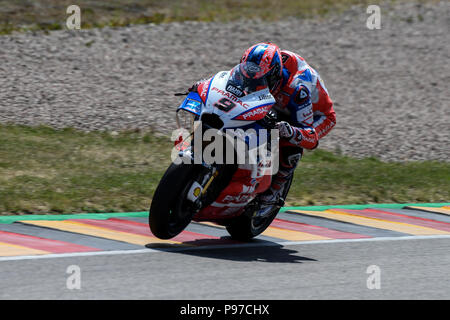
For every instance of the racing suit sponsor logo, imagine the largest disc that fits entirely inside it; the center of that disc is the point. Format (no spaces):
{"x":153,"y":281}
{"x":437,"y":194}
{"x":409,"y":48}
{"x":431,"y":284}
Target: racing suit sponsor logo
{"x":303,"y":136}
{"x":307,"y":139}
{"x":325,"y":130}
{"x":302,"y":96}
{"x":305,"y":115}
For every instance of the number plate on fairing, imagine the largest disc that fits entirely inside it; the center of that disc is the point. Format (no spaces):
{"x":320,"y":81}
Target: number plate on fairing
{"x":233,"y":110}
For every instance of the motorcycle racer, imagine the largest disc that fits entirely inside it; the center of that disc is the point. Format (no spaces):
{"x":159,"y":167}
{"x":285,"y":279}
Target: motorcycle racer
{"x":302,"y":104}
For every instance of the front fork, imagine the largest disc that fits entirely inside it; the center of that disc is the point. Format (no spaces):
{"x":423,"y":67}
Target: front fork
{"x":204,"y":180}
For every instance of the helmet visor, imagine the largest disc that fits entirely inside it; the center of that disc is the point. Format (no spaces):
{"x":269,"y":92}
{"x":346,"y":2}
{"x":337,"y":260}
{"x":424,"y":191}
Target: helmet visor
{"x":248,"y":78}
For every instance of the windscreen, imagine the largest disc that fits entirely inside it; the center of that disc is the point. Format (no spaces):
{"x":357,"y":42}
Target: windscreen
{"x":246,"y":78}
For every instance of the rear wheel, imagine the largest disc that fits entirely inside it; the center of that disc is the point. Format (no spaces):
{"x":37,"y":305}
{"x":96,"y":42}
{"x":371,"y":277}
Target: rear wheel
{"x":249,"y":224}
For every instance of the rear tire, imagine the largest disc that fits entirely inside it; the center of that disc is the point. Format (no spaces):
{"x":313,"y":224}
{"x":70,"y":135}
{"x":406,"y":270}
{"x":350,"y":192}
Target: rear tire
{"x":248,"y":225}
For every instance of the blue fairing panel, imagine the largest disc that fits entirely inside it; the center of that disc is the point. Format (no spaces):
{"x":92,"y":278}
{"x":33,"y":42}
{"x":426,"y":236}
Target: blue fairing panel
{"x":192,"y":103}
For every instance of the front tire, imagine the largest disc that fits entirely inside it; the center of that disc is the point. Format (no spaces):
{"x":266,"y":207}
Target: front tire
{"x":170,"y":211}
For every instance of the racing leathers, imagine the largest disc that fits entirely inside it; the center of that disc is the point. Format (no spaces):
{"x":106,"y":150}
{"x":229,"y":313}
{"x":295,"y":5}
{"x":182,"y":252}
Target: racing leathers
{"x":303,"y":103}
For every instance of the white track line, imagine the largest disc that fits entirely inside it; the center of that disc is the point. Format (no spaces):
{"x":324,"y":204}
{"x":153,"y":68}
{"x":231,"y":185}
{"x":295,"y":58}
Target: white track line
{"x":228,"y":246}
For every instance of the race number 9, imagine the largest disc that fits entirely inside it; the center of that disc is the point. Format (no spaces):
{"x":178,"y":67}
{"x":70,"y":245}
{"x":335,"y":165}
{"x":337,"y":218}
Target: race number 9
{"x":225,"y":104}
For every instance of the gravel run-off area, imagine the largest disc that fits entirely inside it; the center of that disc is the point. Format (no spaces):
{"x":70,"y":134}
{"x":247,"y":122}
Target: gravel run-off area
{"x":390,"y":86}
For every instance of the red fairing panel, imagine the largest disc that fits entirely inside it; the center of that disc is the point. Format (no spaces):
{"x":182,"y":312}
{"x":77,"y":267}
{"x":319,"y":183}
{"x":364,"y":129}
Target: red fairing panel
{"x":202,"y":89}
{"x":233,"y":199}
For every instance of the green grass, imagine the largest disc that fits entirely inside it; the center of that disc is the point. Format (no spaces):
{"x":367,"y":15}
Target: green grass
{"x":25,"y":15}
{"x":327,"y":178}
{"x":43,"y":170}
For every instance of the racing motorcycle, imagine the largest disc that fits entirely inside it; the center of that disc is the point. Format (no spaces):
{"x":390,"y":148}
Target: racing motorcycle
{"x":219,"y":191}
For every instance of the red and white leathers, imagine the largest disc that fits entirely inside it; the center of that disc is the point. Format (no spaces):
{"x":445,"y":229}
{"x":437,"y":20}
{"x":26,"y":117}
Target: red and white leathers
{"x":303,"y":102}
{"x":303,"y":97}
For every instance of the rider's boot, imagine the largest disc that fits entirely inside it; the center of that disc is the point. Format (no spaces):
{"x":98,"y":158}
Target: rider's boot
{"x":274,"y":195}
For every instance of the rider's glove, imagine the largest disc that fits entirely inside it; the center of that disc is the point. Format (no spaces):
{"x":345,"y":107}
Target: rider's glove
{"x":285,"y":129}
{"x":195,"y":86}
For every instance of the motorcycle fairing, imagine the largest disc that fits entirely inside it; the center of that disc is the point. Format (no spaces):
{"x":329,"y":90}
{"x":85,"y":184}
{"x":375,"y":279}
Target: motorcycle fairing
{"x":193,"y":103}
{"x":233,"y":199}
{"x":248,"y":180}
{"x":251,"y":107}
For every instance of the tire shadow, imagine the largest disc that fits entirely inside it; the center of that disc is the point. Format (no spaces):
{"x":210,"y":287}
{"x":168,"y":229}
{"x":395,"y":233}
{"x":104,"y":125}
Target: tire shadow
{"x":255,"y":250}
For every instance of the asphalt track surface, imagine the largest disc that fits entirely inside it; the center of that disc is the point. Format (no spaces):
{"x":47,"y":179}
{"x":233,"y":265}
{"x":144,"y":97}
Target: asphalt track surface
{"x":324,"y":254}
{"x":410,"y":269}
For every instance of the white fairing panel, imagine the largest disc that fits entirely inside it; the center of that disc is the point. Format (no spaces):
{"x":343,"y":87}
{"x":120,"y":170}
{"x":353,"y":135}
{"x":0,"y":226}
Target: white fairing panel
{"x":244,"y":110}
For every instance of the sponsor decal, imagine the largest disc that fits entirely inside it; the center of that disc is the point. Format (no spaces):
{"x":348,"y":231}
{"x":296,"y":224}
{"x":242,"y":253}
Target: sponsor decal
{"x":235,"y":90}
{"x":237,"y":199}
{"x":311,"y":140}
{"x":253,"y":68}
{"x":193,"y":105}
{"x":248,"y":189}
{"x":230,"y":96}
{"x":204,"y":89}
{"x":265,"y":96}
{"x":197,"y":191}
{"x":254,"y":114}
{"x":307,"y":114}
{"x":325,"y":130}
{"x":302,"y":96}
{"x":243,"y":197}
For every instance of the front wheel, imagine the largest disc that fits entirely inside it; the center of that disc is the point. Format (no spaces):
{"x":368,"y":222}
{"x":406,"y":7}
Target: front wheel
{"x":171,"y":211}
